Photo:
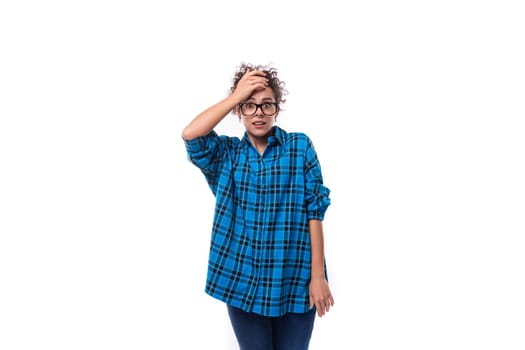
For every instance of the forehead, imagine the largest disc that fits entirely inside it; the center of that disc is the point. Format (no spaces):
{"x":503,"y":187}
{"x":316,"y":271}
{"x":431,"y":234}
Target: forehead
{"x":261,"y":95}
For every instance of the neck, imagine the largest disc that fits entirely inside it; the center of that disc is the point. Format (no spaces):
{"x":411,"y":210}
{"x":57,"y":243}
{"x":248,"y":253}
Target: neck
{"x":259,"y":143}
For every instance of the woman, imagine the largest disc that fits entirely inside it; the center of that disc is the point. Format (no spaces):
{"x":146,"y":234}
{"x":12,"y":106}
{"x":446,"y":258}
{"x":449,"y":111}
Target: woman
{"x":266,"y":258}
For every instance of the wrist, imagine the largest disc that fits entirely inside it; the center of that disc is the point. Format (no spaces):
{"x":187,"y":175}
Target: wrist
{"x":235,"y":99}
{"x":317,"y":275}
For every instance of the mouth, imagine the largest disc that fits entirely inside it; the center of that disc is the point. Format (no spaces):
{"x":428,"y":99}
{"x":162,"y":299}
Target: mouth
{"x":259,"y":124}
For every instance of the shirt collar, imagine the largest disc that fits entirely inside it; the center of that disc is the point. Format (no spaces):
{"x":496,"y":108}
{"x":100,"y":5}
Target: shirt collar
{"x":279,"y":136}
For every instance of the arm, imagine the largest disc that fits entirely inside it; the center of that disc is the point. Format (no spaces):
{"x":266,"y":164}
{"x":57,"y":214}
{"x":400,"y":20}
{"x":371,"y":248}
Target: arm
{"x":204,"y":123}
{"x":320,"y":294}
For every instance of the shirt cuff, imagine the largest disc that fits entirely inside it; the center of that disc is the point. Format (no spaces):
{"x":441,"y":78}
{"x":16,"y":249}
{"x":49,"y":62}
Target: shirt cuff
{"x":197,"y":143}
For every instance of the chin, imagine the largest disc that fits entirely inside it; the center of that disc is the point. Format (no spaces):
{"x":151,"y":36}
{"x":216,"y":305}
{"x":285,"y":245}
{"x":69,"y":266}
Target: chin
{"x":261,"y":133}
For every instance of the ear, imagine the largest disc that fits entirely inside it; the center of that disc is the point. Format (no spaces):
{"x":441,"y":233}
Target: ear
{"x":236,"y":111}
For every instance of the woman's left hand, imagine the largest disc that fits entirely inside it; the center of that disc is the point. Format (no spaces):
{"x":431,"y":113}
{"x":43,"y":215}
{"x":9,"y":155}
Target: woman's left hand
{"x":320,"y":296}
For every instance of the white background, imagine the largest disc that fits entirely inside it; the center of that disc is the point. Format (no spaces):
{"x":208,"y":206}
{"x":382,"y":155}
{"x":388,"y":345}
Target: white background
{"x":416,"y":110}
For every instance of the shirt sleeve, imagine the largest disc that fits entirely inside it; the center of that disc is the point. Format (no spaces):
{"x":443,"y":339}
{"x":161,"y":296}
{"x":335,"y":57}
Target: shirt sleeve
{"x":207,"y":153}
{"x":317,"y":194}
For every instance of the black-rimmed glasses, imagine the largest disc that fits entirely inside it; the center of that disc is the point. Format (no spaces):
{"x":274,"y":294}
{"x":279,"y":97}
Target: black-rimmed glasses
{"x":267,"y":108}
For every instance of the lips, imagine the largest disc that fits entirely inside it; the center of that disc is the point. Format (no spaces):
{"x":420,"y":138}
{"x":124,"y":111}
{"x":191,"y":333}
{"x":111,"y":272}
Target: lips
{"x":259,"y":123}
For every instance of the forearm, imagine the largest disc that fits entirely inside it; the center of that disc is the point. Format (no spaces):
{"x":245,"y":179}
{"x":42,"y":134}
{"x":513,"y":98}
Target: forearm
{"x":204,"y":123}
{"x":317,"y":248}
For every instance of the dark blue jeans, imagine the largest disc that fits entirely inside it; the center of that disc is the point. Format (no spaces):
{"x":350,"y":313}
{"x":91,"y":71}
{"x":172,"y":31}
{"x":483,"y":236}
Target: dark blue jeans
{"x":256,"y":332}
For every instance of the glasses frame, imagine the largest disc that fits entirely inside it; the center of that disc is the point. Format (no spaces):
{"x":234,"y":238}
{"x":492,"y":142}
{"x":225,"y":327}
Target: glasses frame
{"x":259,"y":106}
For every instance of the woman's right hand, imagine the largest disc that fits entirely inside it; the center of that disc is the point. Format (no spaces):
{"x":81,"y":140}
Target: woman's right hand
{"x":249,"y":83}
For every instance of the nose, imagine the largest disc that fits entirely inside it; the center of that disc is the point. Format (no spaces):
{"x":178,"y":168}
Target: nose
{"x":258,"y":111}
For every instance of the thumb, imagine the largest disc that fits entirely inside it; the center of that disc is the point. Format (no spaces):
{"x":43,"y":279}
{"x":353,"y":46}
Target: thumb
{"x":311,"y":301}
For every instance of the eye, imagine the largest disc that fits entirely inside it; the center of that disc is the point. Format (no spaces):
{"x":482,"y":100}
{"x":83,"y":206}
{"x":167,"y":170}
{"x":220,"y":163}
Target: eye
{"x":269,"y":107}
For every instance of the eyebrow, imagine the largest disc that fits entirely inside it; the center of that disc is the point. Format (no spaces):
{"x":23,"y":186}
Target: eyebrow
{"x":266,"y":99}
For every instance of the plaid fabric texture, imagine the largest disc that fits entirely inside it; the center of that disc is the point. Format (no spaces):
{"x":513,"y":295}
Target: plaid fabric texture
{"x":260,"y":244}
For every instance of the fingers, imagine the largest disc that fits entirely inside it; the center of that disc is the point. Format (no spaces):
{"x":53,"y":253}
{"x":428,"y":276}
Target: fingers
{"x":256,"y":79}
{"x":255,"y":72}
{"x":322,"y":305}
{"x":250,"y":82}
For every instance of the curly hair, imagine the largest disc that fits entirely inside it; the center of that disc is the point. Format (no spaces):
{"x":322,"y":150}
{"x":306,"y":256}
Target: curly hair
{"x":277,"y":85}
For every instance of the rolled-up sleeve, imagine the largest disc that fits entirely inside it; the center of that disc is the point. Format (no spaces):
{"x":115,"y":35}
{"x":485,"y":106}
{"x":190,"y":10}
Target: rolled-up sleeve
{"x":206,"y":152}
{"x":317,"y":194}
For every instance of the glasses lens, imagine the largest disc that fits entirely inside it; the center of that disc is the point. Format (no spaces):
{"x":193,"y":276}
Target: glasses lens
{"x":268,"y":108}
{"x":248,"y":108}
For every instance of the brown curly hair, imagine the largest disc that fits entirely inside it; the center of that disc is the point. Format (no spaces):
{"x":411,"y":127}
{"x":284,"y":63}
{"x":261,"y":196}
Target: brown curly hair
{"x":277,"y":85}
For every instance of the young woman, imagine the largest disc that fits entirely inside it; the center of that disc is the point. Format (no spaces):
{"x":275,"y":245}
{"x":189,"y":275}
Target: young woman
{"x":266,"y":258}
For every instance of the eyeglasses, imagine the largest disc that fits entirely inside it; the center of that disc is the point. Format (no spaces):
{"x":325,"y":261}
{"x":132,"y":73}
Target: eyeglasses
{"x":267,"y":108}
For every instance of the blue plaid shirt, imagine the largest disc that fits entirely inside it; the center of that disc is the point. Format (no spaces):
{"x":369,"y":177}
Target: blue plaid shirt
{"x":260,"y":258}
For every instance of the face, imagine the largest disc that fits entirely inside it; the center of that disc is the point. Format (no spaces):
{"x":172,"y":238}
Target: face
{"x":259,"y":124}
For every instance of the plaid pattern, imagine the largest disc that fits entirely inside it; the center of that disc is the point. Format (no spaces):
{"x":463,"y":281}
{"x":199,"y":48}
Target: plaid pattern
{"x":260,"y":246}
